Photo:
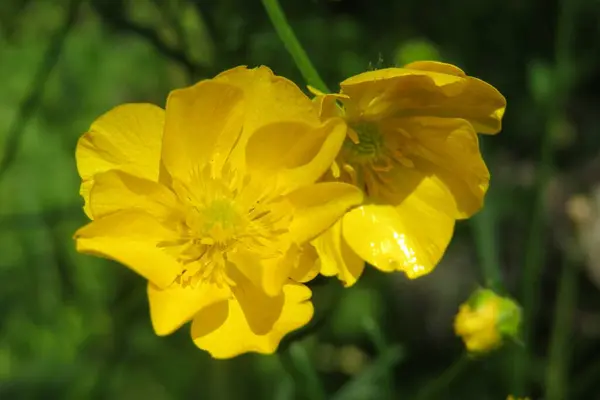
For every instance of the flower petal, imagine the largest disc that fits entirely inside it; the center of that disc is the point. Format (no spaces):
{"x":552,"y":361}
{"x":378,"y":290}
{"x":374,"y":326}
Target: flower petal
{"x":308,"y":265}
{"x":319,"y":206}
{"x":203,"y":123}
{"x":127,"y":138}
{"x":225,"y":332}
{"x":436,"y":66}
{"x":438,"y":91}
{"x":411,"y":237}
{"x":116,"y":190}
{"x":336,"y":257}
{"x":268,"y":274}
{"x":175,"y":305}
{"x":327,"y":107}
{"x":448,"y":151}
{"x":298,"y":153}
{"x":132,"y":238}
{"x":270,"y":99}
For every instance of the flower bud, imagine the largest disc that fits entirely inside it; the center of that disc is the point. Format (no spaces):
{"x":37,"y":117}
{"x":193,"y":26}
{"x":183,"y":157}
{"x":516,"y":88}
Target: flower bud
{"x":486,"y":319}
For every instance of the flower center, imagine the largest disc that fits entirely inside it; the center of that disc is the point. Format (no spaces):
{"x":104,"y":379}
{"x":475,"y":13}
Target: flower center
{"x":370,"y":154}
{"x":364,"y":143}
{"x":218,"y":222}
{"x":224,"y":215}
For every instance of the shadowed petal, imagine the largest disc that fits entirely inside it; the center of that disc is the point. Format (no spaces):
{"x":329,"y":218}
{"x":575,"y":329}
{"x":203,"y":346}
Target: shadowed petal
{"x":224,"y":329}
{"x":127,"y":138}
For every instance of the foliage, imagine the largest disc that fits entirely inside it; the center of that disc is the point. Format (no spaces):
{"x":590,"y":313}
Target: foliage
{"x":75,"y":327}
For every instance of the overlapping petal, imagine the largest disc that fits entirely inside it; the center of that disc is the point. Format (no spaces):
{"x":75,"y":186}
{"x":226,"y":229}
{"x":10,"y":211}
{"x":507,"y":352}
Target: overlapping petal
{"x":411,"y":237}
{"x":225,"y":330}
{"x":202,"y":125}
{"x":268,"y":274}
{"x":175,"y":305}
{"x":319,"y":206}
{"x":424,"y":89}
{"x":445,"y":150}
{"x":115,"y":190}
{"x":134,"y":239}
{"x":308,"y":265}
{"x":297,"y":153}
{"x":336,"y":257}
{"x":127,"y":138}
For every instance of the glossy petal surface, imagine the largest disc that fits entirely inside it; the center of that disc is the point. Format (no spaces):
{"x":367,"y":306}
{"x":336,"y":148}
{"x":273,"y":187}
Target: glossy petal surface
{"x":411,"y":237}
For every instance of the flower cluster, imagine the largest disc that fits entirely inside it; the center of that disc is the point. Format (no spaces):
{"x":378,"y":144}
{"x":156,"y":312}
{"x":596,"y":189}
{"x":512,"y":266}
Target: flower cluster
{"x":242,"y":189}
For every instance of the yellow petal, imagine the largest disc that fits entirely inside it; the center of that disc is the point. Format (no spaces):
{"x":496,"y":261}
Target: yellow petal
{"x":336,"y":257}
{"x":411,"y":237}
{"x":127,"y":138}
{"x":297,"y":153}
{"x":436,"y":66}
{"x":115,"y":191}
{"x":448,"y":151}
{"x":308,"y":265}
{"x":174,"y":306}
{"x":224,"y":331}
{"x":327,"y":107}
{"x":132,"y":238}
{"x":202,"y":125}
{"x":319,"y":206}
{"x":268,"y":274}
{"x":440,"y":91}
{"x":269,"y":99}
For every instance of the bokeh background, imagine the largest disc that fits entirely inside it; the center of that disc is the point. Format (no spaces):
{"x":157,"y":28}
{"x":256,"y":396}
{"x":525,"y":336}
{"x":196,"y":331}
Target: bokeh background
{"x":76,"y":327}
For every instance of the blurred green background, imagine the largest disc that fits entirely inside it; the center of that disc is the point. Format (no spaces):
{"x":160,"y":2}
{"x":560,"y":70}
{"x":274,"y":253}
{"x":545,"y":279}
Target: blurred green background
{"x":76,"y":327}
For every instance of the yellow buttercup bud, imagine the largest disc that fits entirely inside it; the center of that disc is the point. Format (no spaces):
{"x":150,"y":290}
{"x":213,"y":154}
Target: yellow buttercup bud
{"x":486,"y":319}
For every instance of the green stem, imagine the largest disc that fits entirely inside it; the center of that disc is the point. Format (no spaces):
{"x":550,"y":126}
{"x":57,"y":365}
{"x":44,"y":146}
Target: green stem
{"x":484,"y":234}
{"x":293,"y":46}
{"x":433,"y":389}
{"x":298,"y":365}
{"x":560,"y":343}
{"x":535,"y":250}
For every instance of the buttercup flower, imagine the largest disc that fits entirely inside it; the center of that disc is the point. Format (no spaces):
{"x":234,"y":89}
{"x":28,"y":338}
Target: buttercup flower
{"x":212,"y":201}
{"x":511,"y":397}
{"x":486,"y":319}
{"x":412,"y":147}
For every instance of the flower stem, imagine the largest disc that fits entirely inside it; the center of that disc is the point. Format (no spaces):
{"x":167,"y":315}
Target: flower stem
{"x":483,"y":226}
{"x":432,"y":390}
{"x":293,"y":46}
{"x":298,"y":365}
{"x":535,"y":250}
{"x":560,"y":343}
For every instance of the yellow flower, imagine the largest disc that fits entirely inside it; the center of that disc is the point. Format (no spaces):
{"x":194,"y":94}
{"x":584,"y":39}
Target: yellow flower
{"x":412,"y":147}
{"x":212,"y":201}
{"x":485,"y":319}
{"x":511,"y":397}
